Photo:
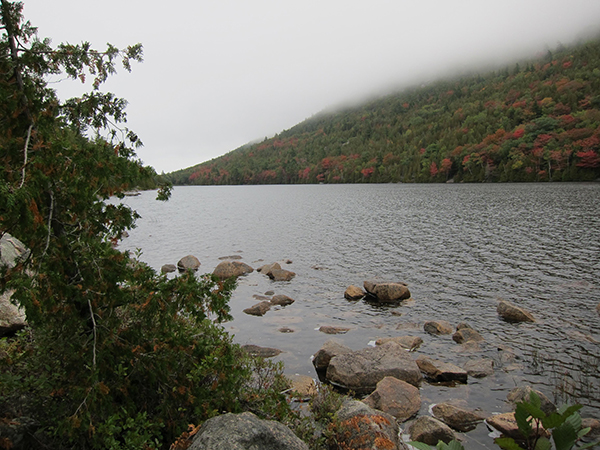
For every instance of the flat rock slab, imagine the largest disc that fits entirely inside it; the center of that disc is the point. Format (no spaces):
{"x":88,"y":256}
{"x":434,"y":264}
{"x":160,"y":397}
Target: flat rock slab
{"x":361,"y":370}
{"x":441,"y":371}
{"x":263,"y":352}
{"x":244,"y":432}
{"x":479,"y":368}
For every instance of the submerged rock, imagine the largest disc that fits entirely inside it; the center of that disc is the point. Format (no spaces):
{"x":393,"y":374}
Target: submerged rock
{"x":263,"y":352}
{"x":408,"y":342}
{"x":329,"y":329}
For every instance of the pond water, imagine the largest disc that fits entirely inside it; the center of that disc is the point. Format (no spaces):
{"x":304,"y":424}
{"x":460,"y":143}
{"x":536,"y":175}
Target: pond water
{"x":460,"y":248}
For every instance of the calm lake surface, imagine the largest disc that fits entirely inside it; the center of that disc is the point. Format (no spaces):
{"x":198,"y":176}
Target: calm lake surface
{"x":459,"y":247}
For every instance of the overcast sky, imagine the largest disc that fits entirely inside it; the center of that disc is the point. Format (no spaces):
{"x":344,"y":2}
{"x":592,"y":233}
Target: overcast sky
{"x":220,"y":73}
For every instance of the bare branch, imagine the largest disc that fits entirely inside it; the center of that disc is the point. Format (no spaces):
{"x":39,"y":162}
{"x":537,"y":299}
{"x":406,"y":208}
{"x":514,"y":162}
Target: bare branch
{"x":25,"y":150}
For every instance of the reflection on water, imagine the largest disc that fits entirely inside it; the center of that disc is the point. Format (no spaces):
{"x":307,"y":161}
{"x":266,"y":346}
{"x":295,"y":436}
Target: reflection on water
{"x":460,"y":248}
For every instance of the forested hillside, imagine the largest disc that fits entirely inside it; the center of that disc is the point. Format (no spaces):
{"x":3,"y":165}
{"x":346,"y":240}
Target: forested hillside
{"x":537,"y":120}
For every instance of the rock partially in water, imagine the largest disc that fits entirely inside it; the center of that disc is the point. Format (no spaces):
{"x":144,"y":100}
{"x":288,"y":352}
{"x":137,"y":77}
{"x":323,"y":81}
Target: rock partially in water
{"x":441,"y":371}
{"x":286,"y":330}
{"x":464,"y":335}
{"x":330,"y":329}
{"x":354,"y":293}
{"x":330,"y":348}
{"x":281,"y":275}
{"x":361,"y":427}
{"x":265,"y":269}
{"x":410,"y":343}
{"x":228,"y":269}
{"x":429,"y":430}
{"x":388,"y":291}
{"x":458,"y":418}
{"x":523,"y":393}
{"x":260,"y":309}
{"x":189,"y":262}
{"x":361,"y":370}
{"x":395,"y":397}
{"x":437,"y":327}
{"x":245,"y":431}
{"x":479,"y":368}
{"x":512,"y":313}
{"x":598,"y":308}
{"x":281,"y":300}
{"x":231,"y":257}
{"x":168,"y":268}
{"x":263,"y":352}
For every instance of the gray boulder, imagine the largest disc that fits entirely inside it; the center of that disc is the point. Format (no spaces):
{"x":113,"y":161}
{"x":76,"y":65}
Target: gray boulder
{"x":387,"y":292}
{"x":168,"y":268}
{"x":228,"y":269}
{"x":265,"y":269}
{"x":330,"y":348}
{"x":12,"y":251}
{"x":512,"y":313}
{"x":245,"y":432}
{"x":189,"y":262}
{"x":428,"y":430}
{"x":361,"y":370}
{"x":395,"y":397}
{"x":479,"y":368}
{"x":12,"y":317}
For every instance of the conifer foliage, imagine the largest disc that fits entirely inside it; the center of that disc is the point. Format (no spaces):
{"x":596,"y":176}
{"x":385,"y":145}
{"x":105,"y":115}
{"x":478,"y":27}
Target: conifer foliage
{"x":116,"y":356}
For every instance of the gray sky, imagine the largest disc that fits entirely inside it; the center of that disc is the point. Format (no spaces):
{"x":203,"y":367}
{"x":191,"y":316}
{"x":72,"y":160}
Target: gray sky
{"x":220,"y":73}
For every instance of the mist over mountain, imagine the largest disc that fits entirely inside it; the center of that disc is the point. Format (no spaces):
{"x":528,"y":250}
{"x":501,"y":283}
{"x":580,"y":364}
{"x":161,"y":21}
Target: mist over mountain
{"x":532,"y":120}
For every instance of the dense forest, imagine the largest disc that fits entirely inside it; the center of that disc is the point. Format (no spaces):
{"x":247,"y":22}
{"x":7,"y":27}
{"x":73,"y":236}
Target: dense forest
{"x":537,"y":120}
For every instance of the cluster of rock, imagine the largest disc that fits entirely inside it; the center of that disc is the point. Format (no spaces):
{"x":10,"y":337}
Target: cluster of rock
{"x":385,"y":292}
{"x":261,"y":308}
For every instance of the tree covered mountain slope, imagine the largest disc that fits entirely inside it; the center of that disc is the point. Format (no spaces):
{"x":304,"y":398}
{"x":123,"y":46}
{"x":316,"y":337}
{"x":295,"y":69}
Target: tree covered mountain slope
{"x":538,"y":120}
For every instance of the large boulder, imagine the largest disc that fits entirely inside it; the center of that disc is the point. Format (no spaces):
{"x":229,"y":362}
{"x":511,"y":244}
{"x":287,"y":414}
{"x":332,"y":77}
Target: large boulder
{"x":395,"y":397}
{"x":430,"y":431}
{"x":441,"y":371}
{"x":361,"y":427}
{"x":387,"y":292}
{"x":245,"y":432}
{"x":228,"y":269}
{"x":330,"y":348}
{"x":361,"y":370}
{"x":189,"y":262}
{"x":512,"y":313}
{"x":458,"y":418}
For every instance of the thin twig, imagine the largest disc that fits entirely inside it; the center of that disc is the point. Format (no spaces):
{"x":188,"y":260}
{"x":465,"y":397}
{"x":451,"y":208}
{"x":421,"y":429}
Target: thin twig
{"x":49,"y":224}
{"x":95,"y":336}
{"x":25,"y":150}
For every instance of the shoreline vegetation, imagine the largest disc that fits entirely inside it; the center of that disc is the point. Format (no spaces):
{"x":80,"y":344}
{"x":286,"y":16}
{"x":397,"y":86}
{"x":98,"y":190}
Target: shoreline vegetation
{"x":535,"y":120}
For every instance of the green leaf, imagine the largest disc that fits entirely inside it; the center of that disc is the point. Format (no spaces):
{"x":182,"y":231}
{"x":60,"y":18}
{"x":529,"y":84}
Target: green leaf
{"x":543,"y":444}
{"x":454,"y":445}
{"x":553,"y":420}
{"x":420,"y":445}
{"x":583,"y":432}
{"x":588,"y":445}
{"x":507,"y":443}
{"x":522,"y":416}
{"x":564,"y":436}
